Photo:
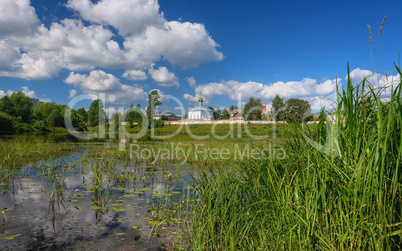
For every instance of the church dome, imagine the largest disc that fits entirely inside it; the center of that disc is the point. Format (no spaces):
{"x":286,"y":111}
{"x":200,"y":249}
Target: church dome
{"x":200,"y":100}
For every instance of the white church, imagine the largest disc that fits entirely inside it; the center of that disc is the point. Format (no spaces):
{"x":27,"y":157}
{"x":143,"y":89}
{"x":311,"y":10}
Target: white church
{"x":200,"y":112}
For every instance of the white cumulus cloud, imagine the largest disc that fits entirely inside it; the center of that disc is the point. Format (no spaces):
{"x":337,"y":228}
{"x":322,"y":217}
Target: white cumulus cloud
{"x":191,"y":82}
{"x":307,"y":89}
{"x":163,"y":77}
{"x":18,"y":18}
{"x":29,"y":50}
{"x":73,"y":93}
{"x":128,"y":16}
{"x":135,"y":75}
{"x":184,"y":44}
{"x":101,"y":82}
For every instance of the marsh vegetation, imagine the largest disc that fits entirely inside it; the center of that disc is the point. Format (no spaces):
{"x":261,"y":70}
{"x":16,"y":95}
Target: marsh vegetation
{"x":342,"y":193}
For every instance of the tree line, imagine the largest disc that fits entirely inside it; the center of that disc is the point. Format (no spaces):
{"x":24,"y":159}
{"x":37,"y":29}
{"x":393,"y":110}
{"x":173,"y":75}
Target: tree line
{"x":17,"y":113}
{"x":292,"y":110}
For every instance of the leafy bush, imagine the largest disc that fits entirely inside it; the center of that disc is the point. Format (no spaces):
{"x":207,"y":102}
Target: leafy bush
{"x":6,"y":122}
{"x":159,"y":123}
{"x":41,"y":126}
{"x":22,"y":127}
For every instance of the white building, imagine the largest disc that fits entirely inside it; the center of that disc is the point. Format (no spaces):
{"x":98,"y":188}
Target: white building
{"x":200,"y":112}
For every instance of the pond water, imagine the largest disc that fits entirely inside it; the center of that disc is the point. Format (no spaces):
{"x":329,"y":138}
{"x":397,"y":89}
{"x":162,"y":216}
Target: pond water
{"x":84,"y":201}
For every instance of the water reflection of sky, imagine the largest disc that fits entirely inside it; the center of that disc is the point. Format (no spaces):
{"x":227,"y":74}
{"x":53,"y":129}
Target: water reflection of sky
{"x":68,"y":222}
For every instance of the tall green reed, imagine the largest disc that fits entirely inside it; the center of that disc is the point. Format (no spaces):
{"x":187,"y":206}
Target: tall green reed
{"x":312,"y":200}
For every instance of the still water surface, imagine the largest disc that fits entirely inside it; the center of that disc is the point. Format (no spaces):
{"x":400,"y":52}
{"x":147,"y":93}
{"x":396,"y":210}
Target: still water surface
{"x":80,"y":202}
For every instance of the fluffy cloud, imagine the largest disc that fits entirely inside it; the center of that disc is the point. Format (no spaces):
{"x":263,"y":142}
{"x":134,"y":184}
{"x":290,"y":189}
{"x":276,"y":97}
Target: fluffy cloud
{"x":17,"y":18}
{"x":101,"y":82}
{"x":163,"y":77}
{"x":68,"y":44}
{"x":128,"y":16}
{"x":135,"y":75}
{"x":307,"y":88}
{"x":73,"y":93}
{"x":191,"y":98}
{"x":373,"y":79}
{"x":191,"y":82}
{"x":292,"y":89}
{"x":184,"y":44}
{"x":28,"y":92}
{"x":31,"y":51}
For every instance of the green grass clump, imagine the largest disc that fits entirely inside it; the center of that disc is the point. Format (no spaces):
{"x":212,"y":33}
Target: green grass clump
{"x":348,"y":198}
{"x":19,"y":150}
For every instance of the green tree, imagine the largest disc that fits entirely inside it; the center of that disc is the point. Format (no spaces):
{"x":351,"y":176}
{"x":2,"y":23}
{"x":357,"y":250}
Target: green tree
{"x":216,"y":112}
{"x":6,"y":105}
{"x":252,"y":110}
{"x":296,"y":109}
{"x":278,"y":108}
{"x":6,"y":122}
{"x":43,"y":110}
{"x":134,"y":115}
{"x":22,"y":106}
{"x":96,"y":114}
{"x":116,"y":120}
{"x":40,"y":126}
{"x":226,"y":114}
{"x":232,"y":107}
{"x":83,"y":113}
{"x":159,"y":123}
{"x":78,"y":122}
{"x":153,"y":101}
{"x":55,"y":119}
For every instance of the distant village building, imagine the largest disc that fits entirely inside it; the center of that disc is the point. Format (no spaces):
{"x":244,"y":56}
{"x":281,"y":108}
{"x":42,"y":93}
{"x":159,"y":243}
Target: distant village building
{"x":125,"y":123}
{"x":263,"y":110}
{"x":237,"y":114}
{"x":167,"y":116}
{"x":200,"y":112}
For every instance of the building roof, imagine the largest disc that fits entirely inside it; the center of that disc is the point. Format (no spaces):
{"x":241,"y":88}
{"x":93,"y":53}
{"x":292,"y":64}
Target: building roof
{"x":166,"y":114}
{"x":237,"y":111}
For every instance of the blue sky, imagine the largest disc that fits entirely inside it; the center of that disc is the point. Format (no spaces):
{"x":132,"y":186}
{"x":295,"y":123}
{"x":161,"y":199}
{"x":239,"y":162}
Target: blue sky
{"x":58,"y":50}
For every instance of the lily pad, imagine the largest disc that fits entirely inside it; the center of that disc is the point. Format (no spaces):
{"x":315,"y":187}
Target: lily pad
{"x":145,"y":189}
{"x":129,"y":195}
{"x":120,"y":234}
{"x":119,"y":209}
{"x":95,"y":207}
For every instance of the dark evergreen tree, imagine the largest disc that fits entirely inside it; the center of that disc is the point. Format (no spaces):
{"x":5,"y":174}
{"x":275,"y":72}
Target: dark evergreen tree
{"x":252,"y":110}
